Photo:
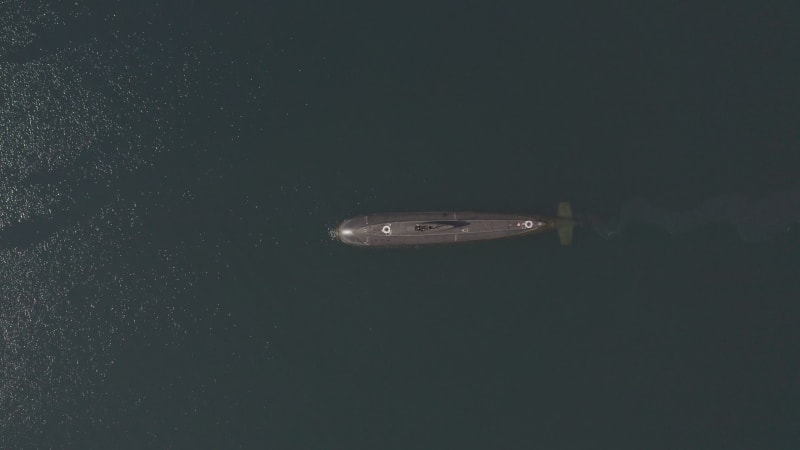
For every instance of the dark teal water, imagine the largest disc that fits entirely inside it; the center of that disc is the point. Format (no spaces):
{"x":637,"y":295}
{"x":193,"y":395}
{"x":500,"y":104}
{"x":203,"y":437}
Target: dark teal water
{"x":171,"y":174}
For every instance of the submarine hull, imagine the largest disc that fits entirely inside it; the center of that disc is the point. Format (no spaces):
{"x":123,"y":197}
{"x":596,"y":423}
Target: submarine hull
{"x":440,"y":227}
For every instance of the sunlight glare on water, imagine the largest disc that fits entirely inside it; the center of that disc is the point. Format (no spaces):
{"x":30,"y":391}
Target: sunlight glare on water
{"x":67,"y":300}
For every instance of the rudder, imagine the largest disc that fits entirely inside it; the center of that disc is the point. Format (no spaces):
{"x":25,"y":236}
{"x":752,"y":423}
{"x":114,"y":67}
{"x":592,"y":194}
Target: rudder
{"x":565,"y":226}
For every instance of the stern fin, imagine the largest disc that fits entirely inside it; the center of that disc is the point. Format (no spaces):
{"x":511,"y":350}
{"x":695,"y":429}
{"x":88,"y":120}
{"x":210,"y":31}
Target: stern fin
{"x":565,"y":226}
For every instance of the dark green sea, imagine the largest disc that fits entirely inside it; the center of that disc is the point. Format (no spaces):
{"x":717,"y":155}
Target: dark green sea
{"x":172,"y":174}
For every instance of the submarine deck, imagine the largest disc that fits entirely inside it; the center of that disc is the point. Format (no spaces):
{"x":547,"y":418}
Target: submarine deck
{"x":422,"y":228}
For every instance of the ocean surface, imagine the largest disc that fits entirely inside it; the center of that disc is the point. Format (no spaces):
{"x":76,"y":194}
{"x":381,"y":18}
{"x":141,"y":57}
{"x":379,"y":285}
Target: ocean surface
{"x":172,"y":174}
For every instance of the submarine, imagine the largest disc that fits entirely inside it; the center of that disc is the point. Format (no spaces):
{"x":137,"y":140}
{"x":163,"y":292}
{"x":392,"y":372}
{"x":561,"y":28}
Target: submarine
{"x":449,"y":227}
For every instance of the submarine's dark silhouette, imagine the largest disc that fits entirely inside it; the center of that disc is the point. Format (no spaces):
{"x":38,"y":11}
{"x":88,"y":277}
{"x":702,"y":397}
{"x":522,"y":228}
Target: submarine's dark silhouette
{"x":449,"y":227}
